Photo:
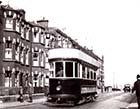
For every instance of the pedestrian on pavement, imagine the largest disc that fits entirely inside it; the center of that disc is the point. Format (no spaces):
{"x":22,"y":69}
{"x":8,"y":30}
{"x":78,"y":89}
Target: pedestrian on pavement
{"x":20,"y":98}
{"x":30,"y":91}
{"x":136,"y":88}
{"x":46,"y":86}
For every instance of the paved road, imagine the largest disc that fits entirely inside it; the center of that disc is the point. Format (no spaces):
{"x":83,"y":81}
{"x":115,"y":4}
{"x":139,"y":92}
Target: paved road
{"x":108,"y":101}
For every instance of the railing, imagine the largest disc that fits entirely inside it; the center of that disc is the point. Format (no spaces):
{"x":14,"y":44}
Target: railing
{"x":4,"y":91}
{"x":38,"y":90}
{"x":9,"y":91}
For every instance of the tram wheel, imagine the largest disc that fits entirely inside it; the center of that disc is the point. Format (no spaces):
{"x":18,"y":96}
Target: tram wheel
{"x":76,"y":102}
{"x":92,"y":98}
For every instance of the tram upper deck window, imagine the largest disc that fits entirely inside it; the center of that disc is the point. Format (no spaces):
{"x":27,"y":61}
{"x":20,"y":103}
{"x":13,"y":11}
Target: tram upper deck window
{"x":59,"y":69}
{"x":69,"y":69}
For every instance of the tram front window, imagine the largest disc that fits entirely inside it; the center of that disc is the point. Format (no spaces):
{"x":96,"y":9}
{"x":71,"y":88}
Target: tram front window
{"x":69,"y":69}
{"x":59,"y":69}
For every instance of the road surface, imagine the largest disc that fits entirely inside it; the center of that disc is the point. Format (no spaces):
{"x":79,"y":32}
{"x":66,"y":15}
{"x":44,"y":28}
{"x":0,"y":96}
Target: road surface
{"x":108,"y":101}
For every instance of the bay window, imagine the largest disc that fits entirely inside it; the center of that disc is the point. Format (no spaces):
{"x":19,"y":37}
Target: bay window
{"x":17,"y":55}
{"x":42,"y":59}
{"x":22,"y":32}
{"x":8,"y":50}
{"x":36,"y":34}
{"x":9,"y":24}
{"x":42,"y":37}
{"x":22,"y":57}
{"x":8,"y":79}
{"x":17,"y":26}
{"x":36,"y":57}
{"x":27,"y":34}
{"x":27,"y":57}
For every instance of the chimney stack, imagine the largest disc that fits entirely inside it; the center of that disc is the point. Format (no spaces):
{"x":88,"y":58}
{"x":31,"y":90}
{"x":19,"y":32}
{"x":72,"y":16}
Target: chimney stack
{"x":43,"y":23}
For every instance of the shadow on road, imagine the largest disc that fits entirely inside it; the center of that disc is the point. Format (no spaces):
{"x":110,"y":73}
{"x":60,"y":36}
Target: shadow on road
{"x":128,"y":98}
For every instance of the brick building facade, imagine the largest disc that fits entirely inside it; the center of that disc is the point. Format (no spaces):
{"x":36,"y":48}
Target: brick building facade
{"x":16,"y":59}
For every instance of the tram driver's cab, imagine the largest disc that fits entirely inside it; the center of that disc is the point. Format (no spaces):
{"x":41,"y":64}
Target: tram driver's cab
{"x":64,"y":69}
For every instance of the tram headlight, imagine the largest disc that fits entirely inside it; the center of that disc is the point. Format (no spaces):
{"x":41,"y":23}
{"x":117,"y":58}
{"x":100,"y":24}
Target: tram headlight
{"x":59,"y":87}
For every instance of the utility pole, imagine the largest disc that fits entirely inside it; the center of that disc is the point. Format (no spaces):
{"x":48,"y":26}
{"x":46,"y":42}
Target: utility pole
{"x":113,"y":79}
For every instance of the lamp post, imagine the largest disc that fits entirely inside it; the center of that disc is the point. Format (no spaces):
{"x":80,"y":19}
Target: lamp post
{"x":113,"y":79}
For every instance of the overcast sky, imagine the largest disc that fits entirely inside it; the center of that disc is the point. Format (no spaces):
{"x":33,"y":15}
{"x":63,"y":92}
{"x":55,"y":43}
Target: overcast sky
{"x":109,"y":27}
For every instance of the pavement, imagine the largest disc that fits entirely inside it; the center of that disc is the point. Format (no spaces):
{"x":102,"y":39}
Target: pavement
{"x":132,"y":106}
{"x":20,"y":104}
{"x":7,"y":105}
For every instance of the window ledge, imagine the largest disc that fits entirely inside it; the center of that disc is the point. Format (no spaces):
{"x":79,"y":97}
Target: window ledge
{"x":10,"y":60}
{"x":11,"y":30}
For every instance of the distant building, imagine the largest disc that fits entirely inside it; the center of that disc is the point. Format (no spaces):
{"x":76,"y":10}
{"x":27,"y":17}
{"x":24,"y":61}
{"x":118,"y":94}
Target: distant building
{"x":101,"y":74}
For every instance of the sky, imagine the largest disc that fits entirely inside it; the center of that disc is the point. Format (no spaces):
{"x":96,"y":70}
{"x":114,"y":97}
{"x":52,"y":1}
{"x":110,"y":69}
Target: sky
{"x":109,"y":27}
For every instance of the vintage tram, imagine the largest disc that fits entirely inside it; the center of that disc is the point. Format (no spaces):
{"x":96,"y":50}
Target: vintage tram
{"x":73,"y":77}
{"x":74,"y":71}
{"x":127,"y":88}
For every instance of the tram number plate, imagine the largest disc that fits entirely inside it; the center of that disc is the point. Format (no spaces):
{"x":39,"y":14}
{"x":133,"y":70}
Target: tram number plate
{"x":88,"y":89}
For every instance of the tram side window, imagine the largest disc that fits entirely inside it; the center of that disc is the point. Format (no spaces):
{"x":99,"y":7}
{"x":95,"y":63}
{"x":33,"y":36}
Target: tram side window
{"x":83,"y":72}
{"x":94,"y":75}
{"x":76,"y":70}
{"x":88,"y":73}
{"x":51,"y":69}
{"x":91,"y":75}
{"x":69,"y":69}
{"x":59,"y":69}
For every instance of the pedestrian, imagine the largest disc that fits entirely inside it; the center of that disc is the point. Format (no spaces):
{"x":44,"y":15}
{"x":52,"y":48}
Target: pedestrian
{"x":136,"y":88}
{"x":46,"y":86}
{"x":60,"y":72}
{"x":30,"y":91}
{"x":20,"y":98}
